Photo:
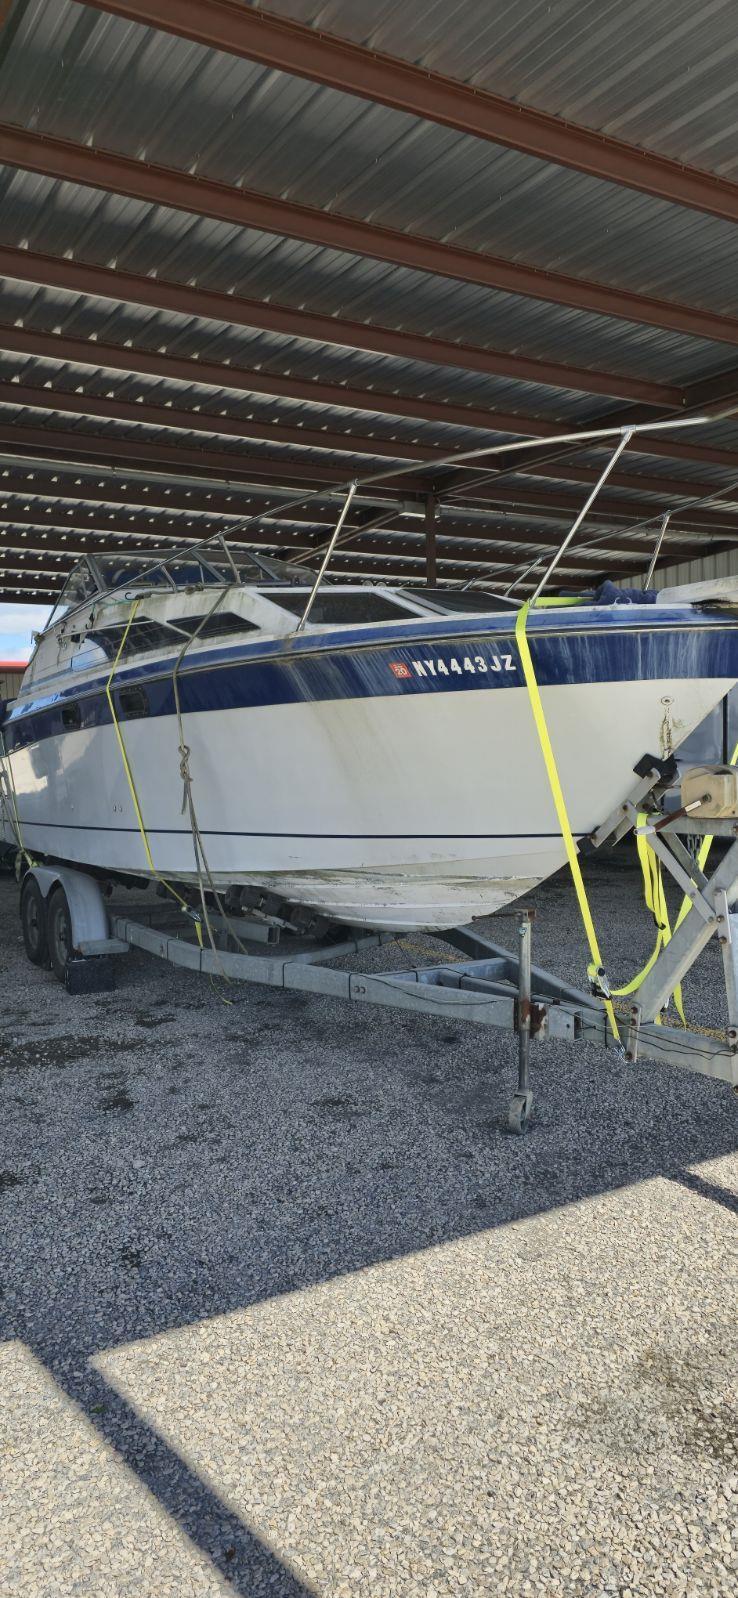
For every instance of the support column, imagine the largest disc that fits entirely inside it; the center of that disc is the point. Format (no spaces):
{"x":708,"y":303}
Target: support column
{"x":431,"y":518}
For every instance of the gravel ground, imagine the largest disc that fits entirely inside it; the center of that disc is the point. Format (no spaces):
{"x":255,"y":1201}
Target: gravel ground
{"x":285,"y":1310}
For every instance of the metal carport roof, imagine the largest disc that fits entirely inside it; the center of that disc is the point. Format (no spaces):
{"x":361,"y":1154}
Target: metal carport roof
{"x":248,"y":249}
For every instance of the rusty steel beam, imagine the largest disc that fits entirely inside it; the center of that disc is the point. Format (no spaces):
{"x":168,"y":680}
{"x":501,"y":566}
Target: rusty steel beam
{"x":614,"y":511}
{"x":164,"y":455}
{"x":352,"y":68}
{"x":212,"y":422}
{"x":431,"y":540}
{"x":105,"y":282}
{"x":533,"y":503}
{"x":165,"y":416}
{"x":80,"y":278}
{"x":206,"y":509}
{"x":89,"y":483}
{"x":665,"y":487}
{"x":36,"y":545}
{"x":188,"y":369}
{"x":154,"y":184}
{"x":81,"y":522}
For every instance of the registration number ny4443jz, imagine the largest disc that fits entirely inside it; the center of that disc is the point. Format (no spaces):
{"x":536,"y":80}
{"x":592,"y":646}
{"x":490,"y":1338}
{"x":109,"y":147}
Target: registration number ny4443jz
{"x":455,"y":666}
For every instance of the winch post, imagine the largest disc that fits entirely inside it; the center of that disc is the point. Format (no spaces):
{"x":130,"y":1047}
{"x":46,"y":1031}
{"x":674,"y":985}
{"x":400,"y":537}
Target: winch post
{"x":521,"y":1103}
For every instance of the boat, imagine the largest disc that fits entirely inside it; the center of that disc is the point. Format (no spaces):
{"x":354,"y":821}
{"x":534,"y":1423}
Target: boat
{"x":376,"y":762}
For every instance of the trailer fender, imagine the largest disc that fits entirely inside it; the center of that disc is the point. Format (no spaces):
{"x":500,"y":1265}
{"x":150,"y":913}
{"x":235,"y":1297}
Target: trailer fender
{"x":86,"y":904}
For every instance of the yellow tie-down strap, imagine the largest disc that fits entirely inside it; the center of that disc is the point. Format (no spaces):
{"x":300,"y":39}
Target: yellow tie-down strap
{"x":561,"y":811}
{"x":653,"y":886}
{"x":653,"y":893}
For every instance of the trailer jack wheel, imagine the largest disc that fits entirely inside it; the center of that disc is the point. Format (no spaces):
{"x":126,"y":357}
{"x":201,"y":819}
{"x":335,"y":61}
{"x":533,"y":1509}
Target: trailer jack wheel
{"x":519,"y":1113}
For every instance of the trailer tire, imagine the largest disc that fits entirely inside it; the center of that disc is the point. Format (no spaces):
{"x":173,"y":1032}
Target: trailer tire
{"x":33,"y":921}
{"x":59,"y":925}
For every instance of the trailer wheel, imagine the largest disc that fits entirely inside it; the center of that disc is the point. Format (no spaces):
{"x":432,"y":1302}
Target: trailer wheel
{"x":59,"y":925}
{"x":33,"y":922}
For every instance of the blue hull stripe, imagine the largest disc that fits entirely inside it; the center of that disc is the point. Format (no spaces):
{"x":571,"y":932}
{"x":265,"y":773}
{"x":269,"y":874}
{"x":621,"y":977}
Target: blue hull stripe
{"x":245,"y":675}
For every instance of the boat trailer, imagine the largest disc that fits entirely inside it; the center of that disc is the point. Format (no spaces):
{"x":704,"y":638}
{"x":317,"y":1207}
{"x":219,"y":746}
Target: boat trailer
{"x":69,"y":925}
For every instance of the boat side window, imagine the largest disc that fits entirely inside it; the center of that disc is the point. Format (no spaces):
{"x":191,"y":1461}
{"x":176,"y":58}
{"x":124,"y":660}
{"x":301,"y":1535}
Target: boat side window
{"x":133,"y":703}
{"x":142,"y":636}
{"x":217,"y":625}
{"x":457,"y":601}
{"x":360,"y":605}
{"x":145,"y":636}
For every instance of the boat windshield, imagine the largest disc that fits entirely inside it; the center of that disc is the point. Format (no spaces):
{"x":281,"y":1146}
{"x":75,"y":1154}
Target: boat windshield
{"x":196,"y":568}
{"x":166,"y":569}
{"x":81,"y":584}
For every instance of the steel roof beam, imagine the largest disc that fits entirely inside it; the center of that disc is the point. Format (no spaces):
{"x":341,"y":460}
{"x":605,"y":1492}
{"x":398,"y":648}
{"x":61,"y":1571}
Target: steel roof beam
{"x":143,"y":524}
{"x":89,"y":485}
{"x":217,"y":507}
{"x":205,"y":512}
{"x":469,"y":553}
{"x":154,"y":184}
{"x":189,"y":369}
{"x":389,"y":541}
{"x":339,"y":63}
{"x":212,"y":423}
{"x":615,"y":512}
{"x":257,"y":472}
{"x":186,"y":299}
{"x":133,"y":359}
{"x":264,"y":476}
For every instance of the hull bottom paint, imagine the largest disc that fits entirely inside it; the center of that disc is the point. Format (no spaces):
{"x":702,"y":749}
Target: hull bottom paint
{"x":392,"y":811}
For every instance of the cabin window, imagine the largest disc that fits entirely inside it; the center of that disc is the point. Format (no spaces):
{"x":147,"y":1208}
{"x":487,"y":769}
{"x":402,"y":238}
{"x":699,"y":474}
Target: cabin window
{"x":133,"y":703}
{"x":362,"y":605}
{"x":455,"y":601}
{"x":142,"y":636}
{"x":216,"y":626}
{"x":145,"y":636}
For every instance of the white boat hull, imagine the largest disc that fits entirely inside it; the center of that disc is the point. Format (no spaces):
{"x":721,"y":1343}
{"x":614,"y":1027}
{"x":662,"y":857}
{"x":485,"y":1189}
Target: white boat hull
{"x":388,"y":811}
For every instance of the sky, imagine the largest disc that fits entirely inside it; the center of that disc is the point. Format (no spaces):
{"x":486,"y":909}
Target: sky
{"x":17,"y":622}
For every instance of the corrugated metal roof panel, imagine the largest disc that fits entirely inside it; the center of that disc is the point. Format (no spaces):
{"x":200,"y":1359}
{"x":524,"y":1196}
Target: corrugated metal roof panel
{"x":60,"y":218}
{"x":166,"y":100}
{"x":488,"y":393}
{"x":661,"y":75}
{"x":640,"y":72}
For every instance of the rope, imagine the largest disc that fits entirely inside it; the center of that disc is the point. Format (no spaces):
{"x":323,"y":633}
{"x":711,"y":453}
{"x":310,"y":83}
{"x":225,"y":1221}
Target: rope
{"x":131,"y":784}
{"x":188,"y":802}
